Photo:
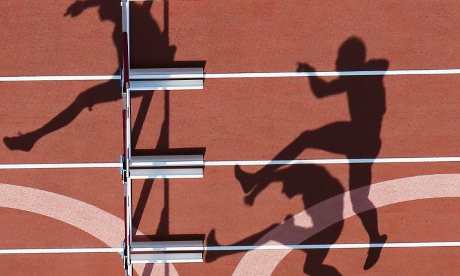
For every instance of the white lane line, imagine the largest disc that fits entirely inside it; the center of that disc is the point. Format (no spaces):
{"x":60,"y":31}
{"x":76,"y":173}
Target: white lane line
{"x":244,"y":163}
{"x":60,"y":166}
{"x":332,"y":74}
{"x":59,"y":78}
{"x":239,"y":248}
{"x":333,"y":161}
{"x":249,"y":75}
{"x":332,"y":246}
{"x":60,"y":250}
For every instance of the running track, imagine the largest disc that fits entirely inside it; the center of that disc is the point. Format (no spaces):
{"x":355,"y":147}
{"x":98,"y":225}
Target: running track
{"x":234,"y":119}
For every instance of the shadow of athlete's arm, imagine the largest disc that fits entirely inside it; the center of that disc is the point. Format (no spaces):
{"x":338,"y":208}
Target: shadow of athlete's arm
{"x":320,"y":87}
{"x":79,"y":6}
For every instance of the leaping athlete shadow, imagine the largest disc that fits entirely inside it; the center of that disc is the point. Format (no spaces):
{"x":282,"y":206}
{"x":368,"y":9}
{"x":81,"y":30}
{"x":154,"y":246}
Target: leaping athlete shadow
{"x":314,"y":184}
{"x":356,"y":139}
{"x":147,"y":50}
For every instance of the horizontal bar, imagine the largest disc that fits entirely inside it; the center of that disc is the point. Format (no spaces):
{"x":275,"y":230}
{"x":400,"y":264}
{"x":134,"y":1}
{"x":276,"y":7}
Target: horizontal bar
{"x":167,"y":258}
{"x":151,"y":85}
{"x":166,"y":73}
{"x":166,"y":173}
{"x":250,"y":75}
{"x":161,"y":0}
{"x":166,"y":160}
{"x":245,"y":162}
{"x":167,"y":246}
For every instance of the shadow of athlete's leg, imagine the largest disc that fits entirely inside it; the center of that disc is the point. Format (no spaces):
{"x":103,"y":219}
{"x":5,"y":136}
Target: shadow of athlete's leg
{"x":211,"y":240}
{"x":360,"y":177}
{"x":314,"y":263}
{"x":106,"y":92}
{"x":332,"y":138}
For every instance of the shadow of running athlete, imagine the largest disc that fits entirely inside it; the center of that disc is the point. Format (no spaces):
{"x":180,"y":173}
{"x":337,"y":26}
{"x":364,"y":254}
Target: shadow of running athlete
{"x":358,"y":138}
{"x":150,"y":48}
{"x":314,"y":184}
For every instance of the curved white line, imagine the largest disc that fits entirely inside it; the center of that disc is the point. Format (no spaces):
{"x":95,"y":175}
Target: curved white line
{"x":96,"y":222}
{"x":263,"y":262}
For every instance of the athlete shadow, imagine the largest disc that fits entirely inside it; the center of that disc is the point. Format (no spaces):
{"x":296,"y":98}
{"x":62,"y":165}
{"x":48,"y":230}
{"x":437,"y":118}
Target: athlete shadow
{"x":147,"y":50}
{"x":314,"y":184}
{"x":358,"y":138}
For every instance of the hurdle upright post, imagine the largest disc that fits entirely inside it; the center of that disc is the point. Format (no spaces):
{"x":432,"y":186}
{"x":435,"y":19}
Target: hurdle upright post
{"x":157,"y":166}
{"x":126,"y":99}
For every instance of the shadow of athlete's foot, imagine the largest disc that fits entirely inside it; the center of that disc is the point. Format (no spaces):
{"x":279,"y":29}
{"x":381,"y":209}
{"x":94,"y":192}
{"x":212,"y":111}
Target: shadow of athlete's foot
{"x":373,"y":254}
{"x":24,"y":142}
{"x":246,"y":179}
{"x":211,"y":240}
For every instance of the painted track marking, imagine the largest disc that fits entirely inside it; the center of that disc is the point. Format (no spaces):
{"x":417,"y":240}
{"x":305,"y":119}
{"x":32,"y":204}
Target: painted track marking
{"x":331,"y":246}
{"x":263,"y":262}
{"x":428,"y":186}
{"x":60,"y":250}
{"x":94,"y":221}
{"x":242,"y":163}
{"x":239,"y":248}
{"x":248,"y":75}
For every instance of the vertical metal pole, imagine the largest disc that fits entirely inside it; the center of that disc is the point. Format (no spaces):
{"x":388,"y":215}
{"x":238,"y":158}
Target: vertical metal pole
{"x":129,"y":212}
{"x":126,"y":98}
{"x":166,"y":121}
{"x":167,"y":112}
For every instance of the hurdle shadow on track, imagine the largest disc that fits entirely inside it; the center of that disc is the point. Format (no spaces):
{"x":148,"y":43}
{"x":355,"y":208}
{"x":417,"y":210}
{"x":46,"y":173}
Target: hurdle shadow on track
{"x":139,"y":50}
{"x":152,"y":50}
{"x":162,"y":148}
{"x":358,"y":138}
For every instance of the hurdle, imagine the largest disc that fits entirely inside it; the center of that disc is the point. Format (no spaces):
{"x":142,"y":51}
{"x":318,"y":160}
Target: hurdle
{"x":154,"y":166}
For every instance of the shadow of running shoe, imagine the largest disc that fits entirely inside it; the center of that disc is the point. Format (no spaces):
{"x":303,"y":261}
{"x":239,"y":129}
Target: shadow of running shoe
{"x":24,"y":142}
{"x":373,"y":254}
{"x":211,"y":240}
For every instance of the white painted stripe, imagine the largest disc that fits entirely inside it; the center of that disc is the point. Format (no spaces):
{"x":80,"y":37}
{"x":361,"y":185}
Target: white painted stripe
{"x":315,"y":219}
{"x":96,"y":222}
{"x":60,"y":250}
{"x":332,"y":246}
{"x":333,"y":161}
{"x":332,"y":73}
{"x":249,"y":75}
{"x":244,"y":163}
{"x":238,"y":248}
{"x":60,"y":166}
{"x":60,"y":78}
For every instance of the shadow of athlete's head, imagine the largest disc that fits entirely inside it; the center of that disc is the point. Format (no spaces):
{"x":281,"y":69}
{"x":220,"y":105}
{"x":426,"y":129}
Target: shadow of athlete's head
{"x":351,"y":55}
